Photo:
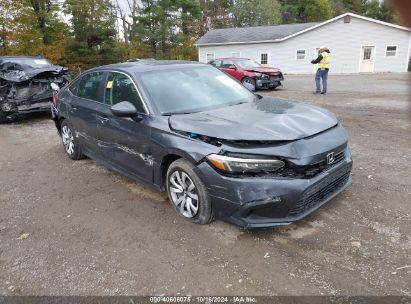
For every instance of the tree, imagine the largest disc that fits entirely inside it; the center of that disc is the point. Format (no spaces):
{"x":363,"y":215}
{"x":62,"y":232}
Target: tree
{"x":42,"y":10}
{"x":187,"y":22}
{"x":355,"y":6}
{"x":189,"y":13}
{"x":164,"y":25}
{"x":377,"y":9}
{"x":381,"y":10}
{"x":300,"y":11}
{"x":215,"y":14}
{"x":256,"y":12}
{"x":149,"y":25}
{"x":12,"y":13}
{"x":23,"y":34}
{"x":122,"y":15}
{"x":93,"y":26}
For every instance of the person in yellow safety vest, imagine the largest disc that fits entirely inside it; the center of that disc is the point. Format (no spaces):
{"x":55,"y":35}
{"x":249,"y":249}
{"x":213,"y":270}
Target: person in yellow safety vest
{"x":323,"y":66}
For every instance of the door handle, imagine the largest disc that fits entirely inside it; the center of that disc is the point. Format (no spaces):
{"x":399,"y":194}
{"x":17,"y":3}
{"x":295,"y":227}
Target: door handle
{"x":103,"y":120}
{"x":72,"y":109}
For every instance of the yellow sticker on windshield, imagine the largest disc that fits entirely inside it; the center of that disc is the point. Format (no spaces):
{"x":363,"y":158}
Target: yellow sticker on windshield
{"x":109,"y":85}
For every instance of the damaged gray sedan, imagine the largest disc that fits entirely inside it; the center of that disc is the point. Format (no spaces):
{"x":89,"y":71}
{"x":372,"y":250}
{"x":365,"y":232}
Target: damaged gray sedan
{"x":27,"y":85}
{"x":217,"y":149}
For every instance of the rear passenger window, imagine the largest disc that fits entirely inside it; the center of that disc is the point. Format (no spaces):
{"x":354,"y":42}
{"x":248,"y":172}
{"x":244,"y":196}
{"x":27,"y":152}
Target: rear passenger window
{"x":88,"y":86}
{"x":120,"y":87}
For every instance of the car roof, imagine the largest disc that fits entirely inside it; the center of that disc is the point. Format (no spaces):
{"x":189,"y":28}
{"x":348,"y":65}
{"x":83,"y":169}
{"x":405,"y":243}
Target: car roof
{"x":145,"y":65}
{"x":232,"y":58}
{"x":18,"y":57}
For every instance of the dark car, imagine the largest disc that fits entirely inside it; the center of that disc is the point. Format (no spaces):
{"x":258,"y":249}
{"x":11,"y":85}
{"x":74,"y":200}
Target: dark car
{"x":249,"y":71}
{"x":26,"y":85}
{"x":217,"y":148}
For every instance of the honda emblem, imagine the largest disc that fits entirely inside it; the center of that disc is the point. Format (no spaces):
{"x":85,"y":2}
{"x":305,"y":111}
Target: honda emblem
{"x":330,"y":158}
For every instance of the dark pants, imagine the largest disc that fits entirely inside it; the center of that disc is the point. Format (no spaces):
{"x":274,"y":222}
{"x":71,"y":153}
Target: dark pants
{"x":321,"y":74}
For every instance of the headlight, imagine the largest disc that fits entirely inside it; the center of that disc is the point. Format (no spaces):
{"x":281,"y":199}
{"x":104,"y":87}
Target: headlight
{"x":261,"y":75}
{"x":244,"y":165}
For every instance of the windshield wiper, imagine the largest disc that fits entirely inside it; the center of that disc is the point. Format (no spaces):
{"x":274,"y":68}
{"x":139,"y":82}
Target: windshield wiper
{"x":176,"y":113}
{"x":238,"y":103}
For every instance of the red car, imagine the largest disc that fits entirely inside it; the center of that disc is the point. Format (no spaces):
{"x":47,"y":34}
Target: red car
{"x":248,"y":71}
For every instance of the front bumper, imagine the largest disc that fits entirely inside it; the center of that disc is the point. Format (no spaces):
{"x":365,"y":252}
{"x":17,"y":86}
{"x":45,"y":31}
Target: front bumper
{"x":271,"y":82}
{"x":43,"y":106}
{"x":253,"y":202}
{"x":22,"y":108}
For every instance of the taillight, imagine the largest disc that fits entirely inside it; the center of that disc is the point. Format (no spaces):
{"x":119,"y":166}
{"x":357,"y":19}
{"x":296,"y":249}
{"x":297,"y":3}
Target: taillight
{"x":55,"y":99}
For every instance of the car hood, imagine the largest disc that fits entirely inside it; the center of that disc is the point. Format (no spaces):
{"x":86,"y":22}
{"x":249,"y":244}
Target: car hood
{"x":20,"y":76}
{"x":263,"y":70}
{"x":266,"y":119}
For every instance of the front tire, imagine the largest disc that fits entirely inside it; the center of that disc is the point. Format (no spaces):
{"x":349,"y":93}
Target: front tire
{"x":70,"y":142}
{"x":250,"y":81}
{"x":187,"y":193}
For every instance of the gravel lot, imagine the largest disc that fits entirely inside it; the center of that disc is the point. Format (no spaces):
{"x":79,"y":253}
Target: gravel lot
{"x":75,"y":228}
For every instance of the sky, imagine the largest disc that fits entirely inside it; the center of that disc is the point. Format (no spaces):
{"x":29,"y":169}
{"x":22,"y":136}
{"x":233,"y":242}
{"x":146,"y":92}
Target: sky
{"x":123,"y":4}
{"x":125,"y":8}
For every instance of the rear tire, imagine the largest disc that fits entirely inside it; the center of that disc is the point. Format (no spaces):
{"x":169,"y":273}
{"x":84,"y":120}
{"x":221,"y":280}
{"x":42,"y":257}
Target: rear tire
{"x":70,"y":142}
{"x":3,"y":117}
{"x":187,"y":193}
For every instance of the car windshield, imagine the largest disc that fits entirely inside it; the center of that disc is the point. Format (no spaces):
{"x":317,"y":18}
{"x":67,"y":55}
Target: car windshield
{"x":193,"y":89}
{"x":247,"y":64}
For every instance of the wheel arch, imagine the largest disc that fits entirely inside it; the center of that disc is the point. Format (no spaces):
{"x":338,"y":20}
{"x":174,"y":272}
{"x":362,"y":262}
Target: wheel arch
{"x":58,"y":121}
{"x":167,"y":159}
{"x":248,"y":75}
{"x":165,"y":164}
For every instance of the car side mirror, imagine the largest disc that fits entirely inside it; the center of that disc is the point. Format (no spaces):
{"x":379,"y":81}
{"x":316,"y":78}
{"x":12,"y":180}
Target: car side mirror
{"x":232,"y":67}
{"x":124,"y":109}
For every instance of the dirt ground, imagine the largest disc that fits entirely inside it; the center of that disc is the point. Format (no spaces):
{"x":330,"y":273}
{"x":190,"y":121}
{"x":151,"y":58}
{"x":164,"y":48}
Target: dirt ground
{"x":75,"y":228}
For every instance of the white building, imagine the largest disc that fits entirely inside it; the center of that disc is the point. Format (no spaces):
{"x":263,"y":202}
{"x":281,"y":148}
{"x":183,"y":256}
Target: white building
{"x":357,"y":44}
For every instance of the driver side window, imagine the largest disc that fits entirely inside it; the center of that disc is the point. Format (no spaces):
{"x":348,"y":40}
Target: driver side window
{"x":226,"y":64}
{"x":216,"y":63}
{"x":120,"y":87}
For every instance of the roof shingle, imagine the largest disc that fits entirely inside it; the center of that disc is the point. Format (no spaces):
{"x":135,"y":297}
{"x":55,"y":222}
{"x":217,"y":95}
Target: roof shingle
{"x":248,"y":34}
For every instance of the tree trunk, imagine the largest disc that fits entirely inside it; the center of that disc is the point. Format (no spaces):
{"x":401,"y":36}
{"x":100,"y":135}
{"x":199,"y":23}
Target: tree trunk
{"x":41,"y":9}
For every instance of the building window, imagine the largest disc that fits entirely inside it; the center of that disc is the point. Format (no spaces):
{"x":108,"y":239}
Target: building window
{"x":236,"y":54}
{"x":300,"y":54}
{"x":209,"y":57}
{"x":391,"y":51}
{"x":264,"y":58}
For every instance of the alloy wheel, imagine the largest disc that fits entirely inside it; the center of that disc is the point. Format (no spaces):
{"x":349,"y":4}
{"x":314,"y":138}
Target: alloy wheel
{"x":183,"y":193}
{"x":68,"y":140}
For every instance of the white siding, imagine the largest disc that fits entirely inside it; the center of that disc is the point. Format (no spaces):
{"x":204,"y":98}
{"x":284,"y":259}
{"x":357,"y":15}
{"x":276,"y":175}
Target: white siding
{"x":344,"y":41}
